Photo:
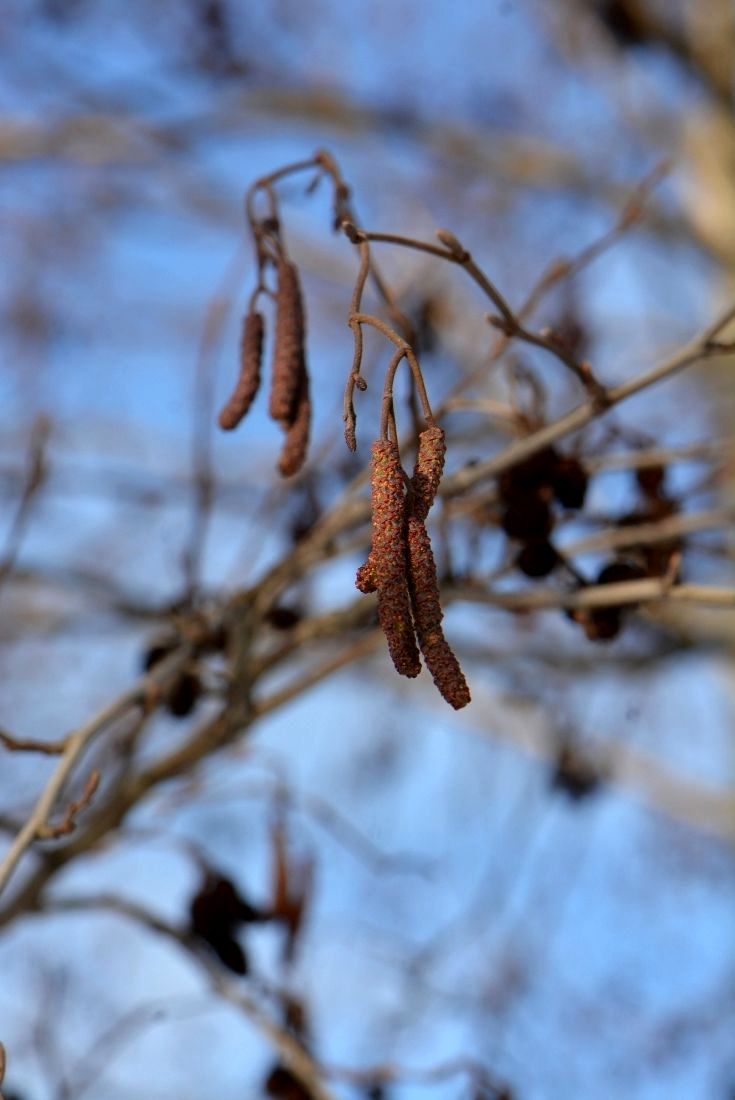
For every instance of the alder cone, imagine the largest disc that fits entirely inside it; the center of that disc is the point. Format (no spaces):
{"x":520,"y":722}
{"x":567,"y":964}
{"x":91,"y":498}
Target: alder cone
{"x":288,"y":352}
{"x":569,"y":481}
{"x":537,"y":558}
{"x":527,"y":517}
{"x":388,"y":557}
{"x":248,"y":382}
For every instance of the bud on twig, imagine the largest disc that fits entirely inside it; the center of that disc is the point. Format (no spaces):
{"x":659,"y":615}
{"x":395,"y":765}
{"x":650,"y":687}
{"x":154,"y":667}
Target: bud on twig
{"x":248,"y":382}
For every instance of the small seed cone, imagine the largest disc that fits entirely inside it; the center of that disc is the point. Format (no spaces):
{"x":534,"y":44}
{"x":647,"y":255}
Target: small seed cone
{"x":388,"y":557}
{"x":428,"y":470}
{"x":296,"y":443}
{"x":248,"y":382}
{"x":288,"y":352}
{"x":440,"y":660}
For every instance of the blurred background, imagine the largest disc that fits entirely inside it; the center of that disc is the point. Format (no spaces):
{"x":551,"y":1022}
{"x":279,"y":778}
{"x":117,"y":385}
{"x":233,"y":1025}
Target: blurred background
{"x":533,"y":895}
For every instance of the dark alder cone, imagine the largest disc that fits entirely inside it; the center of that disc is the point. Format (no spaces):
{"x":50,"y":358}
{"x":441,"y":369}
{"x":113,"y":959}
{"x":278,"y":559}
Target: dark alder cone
{"x":388,"y":556}
{"x":218,"y":904}
{"x":618,"y":572}
{"x":651,"y":480}
{"x":248,"y":382}
{"x":158,"y":650}
{"x":282,"y":1083}
{"x":184,"y":695}
{"x":296,"y":443}
{"x":527,"y":517}
{"x":569,"y":482}
{"x":288,"y":352}
{"x":215,"y":913}
{"x":428,"y":470}
{"x":532,"y":473}
{"x":283,"y":618}
{"x":438,"y":655}
{"x":602,"y":624}
{"x":575,"y":776}
{"x":537,"y":558}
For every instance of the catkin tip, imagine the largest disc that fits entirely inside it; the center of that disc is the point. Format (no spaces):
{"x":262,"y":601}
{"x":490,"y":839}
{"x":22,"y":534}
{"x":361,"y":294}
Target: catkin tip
{"x":296,"y":443}
{"x":427,"y":613}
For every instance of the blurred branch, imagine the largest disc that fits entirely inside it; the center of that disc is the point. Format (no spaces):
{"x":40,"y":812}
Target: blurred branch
{"x":290,"y":1050}
{"x":631,"y":593}
{"x":75,"y":744}
{"x":34,"y":478}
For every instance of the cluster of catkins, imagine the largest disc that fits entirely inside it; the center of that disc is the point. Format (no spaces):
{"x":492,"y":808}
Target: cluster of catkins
{"x":401,"y":566}
{"x":289,"y":402}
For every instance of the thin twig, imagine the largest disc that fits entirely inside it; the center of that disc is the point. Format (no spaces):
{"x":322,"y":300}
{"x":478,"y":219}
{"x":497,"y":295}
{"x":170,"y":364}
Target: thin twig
{"x":648,"y":590}
{"x":35,"y":476}
{"x":648,"y":534}
{"x":289,"y":1049}
{"x":76,"y":743}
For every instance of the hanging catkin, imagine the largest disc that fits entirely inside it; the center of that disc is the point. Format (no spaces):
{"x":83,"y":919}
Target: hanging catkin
{"x":288,"y":351}
{"x":248,"y":382}
{"x":296,"y":443}
{"x":428,"y":469}
{"x":438,"y":655}
{"x":388,"y":557}
{"x":424,"y":585}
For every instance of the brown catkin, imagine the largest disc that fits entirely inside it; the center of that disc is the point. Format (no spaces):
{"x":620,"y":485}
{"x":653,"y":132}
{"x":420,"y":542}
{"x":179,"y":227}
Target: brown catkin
{"x":388,"y":557}
{"x":438,"y":655}
{"x":288,"y":351}
{"x":248,"y":382}
{"x":296,"y":443}
{"x":365,"y":580}
{"x":428,"y":469}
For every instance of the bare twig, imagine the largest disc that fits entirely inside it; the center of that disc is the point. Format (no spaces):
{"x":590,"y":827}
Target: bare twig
{"x":76,"y":743}
{"x":289,"y":1049}
{"x":28,"y":744}
{"x":648,"y":590}
{"x":648,"y":534}
{"x":68,"y":821}
{"x":34,"y":477}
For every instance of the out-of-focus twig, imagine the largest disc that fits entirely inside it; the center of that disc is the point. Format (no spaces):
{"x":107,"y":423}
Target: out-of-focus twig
{"x":289,"y":1049}
{"x":34,"y":477}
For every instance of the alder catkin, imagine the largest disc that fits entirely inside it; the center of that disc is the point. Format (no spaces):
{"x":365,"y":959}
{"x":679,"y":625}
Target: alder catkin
{"x":428,"y":469}
{"x":438,"y":655}
{"x":388,"y":557}
{"x":288,"y":350}
{"x":364,"y":579}
{"x":296,"y":443}
{"x":248,"y":382}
